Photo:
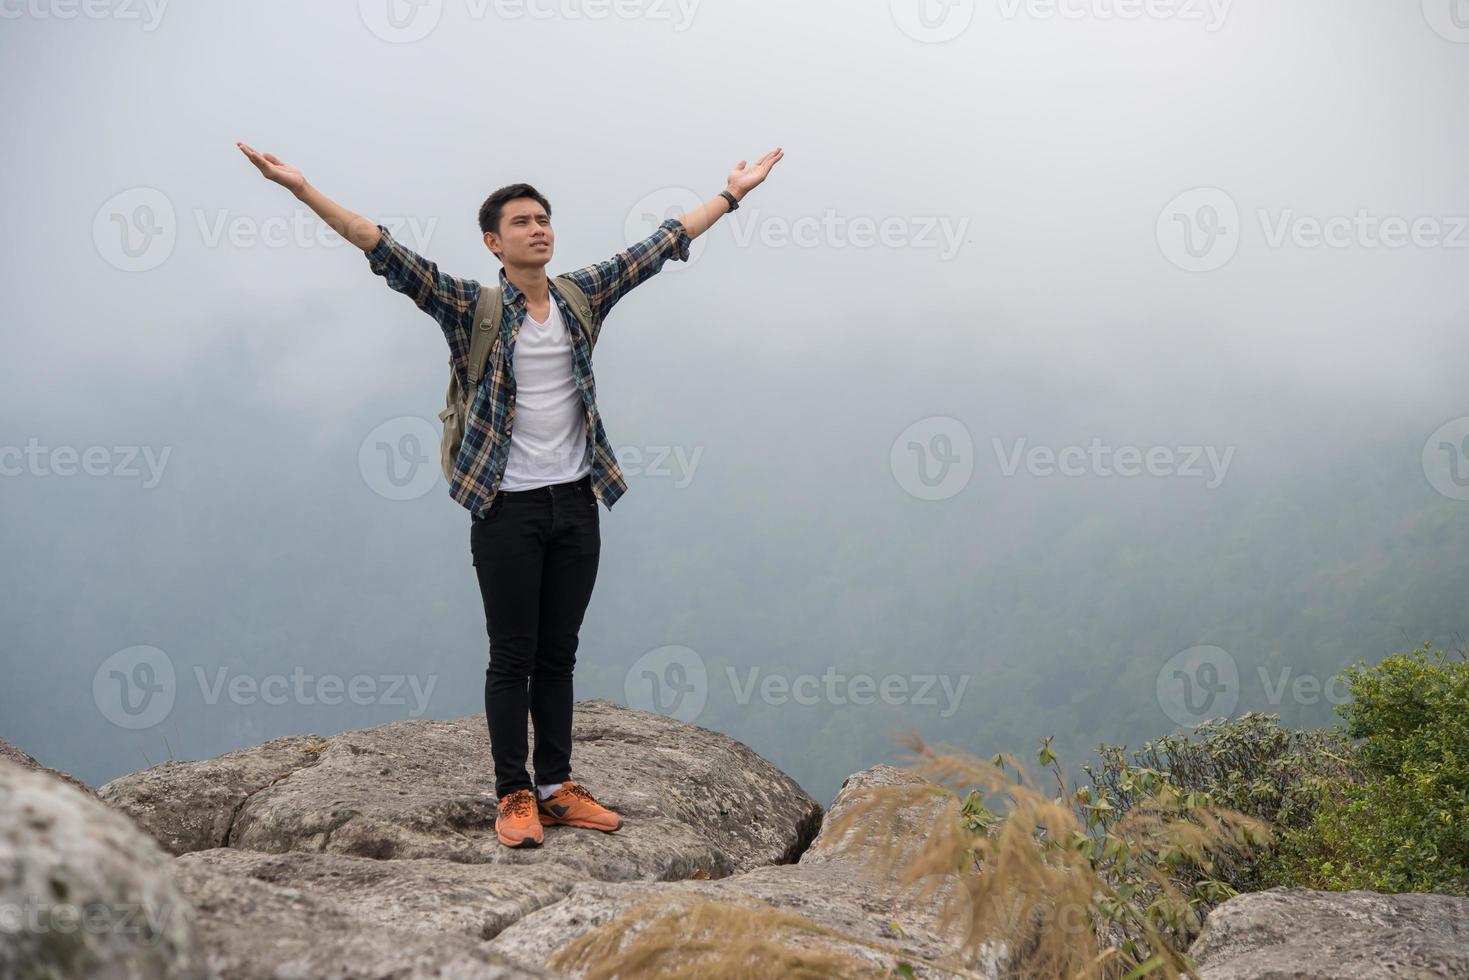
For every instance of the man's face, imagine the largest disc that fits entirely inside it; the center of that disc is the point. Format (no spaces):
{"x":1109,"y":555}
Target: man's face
{"x":525,"y":237}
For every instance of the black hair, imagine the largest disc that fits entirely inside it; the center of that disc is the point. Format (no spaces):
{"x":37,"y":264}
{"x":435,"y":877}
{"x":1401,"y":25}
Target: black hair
{"x":489,"y":212}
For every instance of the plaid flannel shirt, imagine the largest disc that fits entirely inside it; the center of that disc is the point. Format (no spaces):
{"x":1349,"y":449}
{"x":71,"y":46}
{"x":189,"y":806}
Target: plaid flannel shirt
{"x":451,"y":302}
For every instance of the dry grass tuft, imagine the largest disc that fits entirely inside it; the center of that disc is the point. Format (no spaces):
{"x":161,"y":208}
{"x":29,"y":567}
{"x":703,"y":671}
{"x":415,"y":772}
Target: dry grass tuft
{"x":1049,"y":884}
{"x":697,"y":938}
{"x":1064,"y":887}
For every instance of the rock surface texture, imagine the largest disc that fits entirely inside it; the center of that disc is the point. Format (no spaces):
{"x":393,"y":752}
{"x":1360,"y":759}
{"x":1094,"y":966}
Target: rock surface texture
{"x":372,"y":854}
{"x":1300,"y":934}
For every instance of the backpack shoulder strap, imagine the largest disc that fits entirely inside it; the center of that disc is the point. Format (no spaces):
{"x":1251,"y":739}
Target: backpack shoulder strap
{"x":484,"y":333}
{"x":579,"y":304}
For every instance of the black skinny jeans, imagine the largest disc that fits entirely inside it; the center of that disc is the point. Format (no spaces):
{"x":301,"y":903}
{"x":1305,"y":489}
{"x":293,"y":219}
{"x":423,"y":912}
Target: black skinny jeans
{"x":535,"y":554}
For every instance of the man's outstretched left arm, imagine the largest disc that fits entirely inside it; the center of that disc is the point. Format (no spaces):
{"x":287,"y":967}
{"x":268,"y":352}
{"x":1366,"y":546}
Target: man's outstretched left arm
{"x":607,"y":282}
{"x":742,"y":180}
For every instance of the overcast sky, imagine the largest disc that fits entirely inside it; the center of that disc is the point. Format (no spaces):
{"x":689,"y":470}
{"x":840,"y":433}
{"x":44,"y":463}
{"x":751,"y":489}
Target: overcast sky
{"x":998,"y":225}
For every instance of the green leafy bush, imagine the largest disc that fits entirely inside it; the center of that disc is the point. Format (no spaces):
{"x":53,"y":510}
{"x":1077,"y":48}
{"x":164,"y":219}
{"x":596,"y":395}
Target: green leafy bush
{"x":1250,"y":764}
{"x":1381,"y":804}
{"x":1404,"y":826}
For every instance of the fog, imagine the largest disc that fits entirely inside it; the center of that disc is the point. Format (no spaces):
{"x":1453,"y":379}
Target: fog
{"x":1065,"y":340}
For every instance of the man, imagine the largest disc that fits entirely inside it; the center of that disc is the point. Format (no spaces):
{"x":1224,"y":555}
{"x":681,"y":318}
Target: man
{"x":534,"y":462}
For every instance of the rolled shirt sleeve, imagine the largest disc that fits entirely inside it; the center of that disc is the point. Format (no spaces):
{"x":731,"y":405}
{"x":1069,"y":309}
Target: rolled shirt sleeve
{"x":607,"y":282}
{"x":448,"y":299}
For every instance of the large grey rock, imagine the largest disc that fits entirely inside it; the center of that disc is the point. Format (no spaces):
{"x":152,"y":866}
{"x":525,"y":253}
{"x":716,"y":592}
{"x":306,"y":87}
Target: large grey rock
{"x":25,"y":761}
{"x":693,"y":799}
{"x":1302,"y":934}
{"x":256,"y":930}
{"x":428,"y":895}
{"x":190,"y":806}
{"x":833,"y":885}
{"x":83,"y":891}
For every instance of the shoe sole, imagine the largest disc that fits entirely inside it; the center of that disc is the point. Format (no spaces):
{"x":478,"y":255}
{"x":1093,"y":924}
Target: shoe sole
{"x":550,"y":821}
{"x":523,"y":842}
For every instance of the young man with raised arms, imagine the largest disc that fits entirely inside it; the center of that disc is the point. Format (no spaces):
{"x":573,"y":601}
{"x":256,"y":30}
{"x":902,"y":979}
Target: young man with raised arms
{"x":533,"y":463}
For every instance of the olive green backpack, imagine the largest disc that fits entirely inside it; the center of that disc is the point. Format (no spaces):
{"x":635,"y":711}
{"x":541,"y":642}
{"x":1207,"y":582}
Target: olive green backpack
{"x":484,"y":339}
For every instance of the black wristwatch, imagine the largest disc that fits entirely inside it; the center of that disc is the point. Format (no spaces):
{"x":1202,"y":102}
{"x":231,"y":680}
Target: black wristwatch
{"x":734,"y":205}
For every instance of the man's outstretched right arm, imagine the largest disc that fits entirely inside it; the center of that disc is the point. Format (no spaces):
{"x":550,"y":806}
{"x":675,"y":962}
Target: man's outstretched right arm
{"x":349,"y":224}
{"x":448,"y":299}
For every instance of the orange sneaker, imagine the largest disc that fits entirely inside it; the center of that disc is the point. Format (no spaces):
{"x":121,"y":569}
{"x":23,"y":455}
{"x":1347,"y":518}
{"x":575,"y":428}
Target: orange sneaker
{"x":515,"y":820}
{"x":573,"y":806}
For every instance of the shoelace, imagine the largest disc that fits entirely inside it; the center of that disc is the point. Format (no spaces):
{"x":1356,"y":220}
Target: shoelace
{"x":577,"y":789}
{"x":519,"y":803}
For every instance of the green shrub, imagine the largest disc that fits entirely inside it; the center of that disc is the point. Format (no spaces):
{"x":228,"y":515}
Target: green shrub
{"x":1405,"y":825}
{"x":1250,"y":764}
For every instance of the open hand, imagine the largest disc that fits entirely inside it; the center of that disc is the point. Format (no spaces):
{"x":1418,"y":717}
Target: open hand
{"x":282,"y":173}
{"x":743,"y":179}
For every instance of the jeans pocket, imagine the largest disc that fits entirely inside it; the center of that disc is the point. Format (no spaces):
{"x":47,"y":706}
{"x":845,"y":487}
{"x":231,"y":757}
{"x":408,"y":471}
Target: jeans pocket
{"x":481,"y":527}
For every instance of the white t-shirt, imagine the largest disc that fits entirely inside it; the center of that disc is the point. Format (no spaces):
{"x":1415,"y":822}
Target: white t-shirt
{"x":548,"y":437}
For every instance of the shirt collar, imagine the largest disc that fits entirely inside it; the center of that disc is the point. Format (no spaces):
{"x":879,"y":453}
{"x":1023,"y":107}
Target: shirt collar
{"x":509,"y":292}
